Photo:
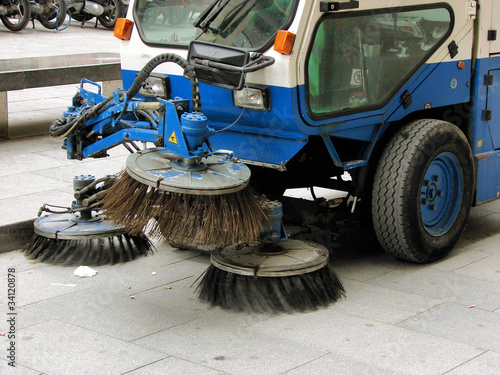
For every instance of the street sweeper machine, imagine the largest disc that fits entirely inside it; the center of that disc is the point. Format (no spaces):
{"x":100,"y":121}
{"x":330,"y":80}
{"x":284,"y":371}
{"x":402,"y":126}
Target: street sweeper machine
{"x":391,"y":103}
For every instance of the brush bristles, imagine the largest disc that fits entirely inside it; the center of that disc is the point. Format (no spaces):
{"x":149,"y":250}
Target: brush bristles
{"x":96,"y":251}
{"x":204,"y":219}
{"x":270,"y":294}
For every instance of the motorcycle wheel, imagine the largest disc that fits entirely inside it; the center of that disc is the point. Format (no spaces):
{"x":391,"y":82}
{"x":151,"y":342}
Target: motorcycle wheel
{"x":17,"y":19}
{"x":113,"y":9}
{"x":53,"y":14}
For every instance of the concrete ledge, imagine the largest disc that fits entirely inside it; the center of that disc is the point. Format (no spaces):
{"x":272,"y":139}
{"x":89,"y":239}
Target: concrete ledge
{"x":46,"y":71}
{"x":15,"y":236}
{"x":43,"y":71}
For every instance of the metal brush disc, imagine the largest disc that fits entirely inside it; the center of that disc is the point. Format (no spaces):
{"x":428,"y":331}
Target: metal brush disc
{"x":70,"y":227}
{"x":292,"y":257}
{"x":213,"y":175}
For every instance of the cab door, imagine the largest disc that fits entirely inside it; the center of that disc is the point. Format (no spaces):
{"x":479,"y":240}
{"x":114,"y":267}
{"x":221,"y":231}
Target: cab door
{"x":492,"y":112}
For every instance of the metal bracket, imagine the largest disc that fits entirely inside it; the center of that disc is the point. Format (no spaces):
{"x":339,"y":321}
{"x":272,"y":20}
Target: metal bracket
{"x":453,"y":49}
{"x":407,"y":99}
{"x":488,"y":80}
{"x":121,"y":136}
{"x":173,"y":137}
{"x":471,"y":10}
{"x":487,"y":114}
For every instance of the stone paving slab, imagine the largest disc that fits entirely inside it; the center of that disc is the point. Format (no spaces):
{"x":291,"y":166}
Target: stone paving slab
{"x":456,"y":322}
{"x":45,"y":283}
{"x":485,"y":364}
{"x":447,"y":286}
{"x":31,"y":203}
{"x":54,"y":348}
{"x":176,"y":366}
{"x":334,"y":363}
{"x":382,"y":304}
{"x":27,"y":183}
{"x":487,"y":268}
{"x":378,"y":345}
{"x":17,"y":370}
{"x":114,"y":315}
{"x":483,"y":227}
{"x":28,"y":162}
{"x":36,"y":171}
{"x":228,"y":342}
{"x":34,"y":144}
{"x":109,"y":166}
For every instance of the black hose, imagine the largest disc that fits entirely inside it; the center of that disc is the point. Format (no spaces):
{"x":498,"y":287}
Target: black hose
{"x":60,"y":126}
{"x":163,"y":58}
{"x":57,"y":128}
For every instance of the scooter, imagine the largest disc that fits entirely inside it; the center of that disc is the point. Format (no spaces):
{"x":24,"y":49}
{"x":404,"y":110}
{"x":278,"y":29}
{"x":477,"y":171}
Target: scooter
{"x":15,"y":14}
{"x":50,"y":13}
{"x":106,"y":11}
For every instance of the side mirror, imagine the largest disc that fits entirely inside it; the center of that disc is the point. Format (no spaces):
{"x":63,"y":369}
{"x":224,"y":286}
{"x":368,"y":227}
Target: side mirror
{"x":218,"y":65}
{"x":224,"y":66}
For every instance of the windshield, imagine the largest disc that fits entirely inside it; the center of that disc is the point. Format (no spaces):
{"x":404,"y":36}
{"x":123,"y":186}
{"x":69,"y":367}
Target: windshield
{"x":250,"y":24}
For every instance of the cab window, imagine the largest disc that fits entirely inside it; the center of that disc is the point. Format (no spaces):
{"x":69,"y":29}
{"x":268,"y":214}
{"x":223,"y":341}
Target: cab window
{"x":250,"y":24}
{"x":361,"y":59}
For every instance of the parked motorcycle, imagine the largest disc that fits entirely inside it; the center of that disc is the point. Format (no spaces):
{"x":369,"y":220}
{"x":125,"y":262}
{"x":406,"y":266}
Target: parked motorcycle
{"x":106,"y":11}
{"x":15,"y":14}
{"x":50,"y":13}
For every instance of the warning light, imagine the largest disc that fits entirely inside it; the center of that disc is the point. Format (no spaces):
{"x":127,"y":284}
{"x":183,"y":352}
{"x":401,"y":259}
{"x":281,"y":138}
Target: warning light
{"x":284,"y":42}
{"x":123,"y":28}
{"x":461,"y":64}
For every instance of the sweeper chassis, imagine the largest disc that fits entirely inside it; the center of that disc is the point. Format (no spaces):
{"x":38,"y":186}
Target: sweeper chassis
{"x":184,"y":177}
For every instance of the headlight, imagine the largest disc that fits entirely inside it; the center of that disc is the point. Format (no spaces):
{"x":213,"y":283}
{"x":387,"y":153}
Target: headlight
{"x":252,"y":98}
{"x":157,"y":86}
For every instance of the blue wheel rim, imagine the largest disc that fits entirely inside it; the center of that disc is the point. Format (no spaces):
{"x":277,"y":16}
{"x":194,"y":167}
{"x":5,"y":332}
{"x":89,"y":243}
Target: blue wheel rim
{"x":441,"y":194}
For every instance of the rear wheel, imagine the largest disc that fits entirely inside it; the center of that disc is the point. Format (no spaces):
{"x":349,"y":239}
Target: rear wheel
{"x":53,"y":14}
{"x":423,"y":191}
{"x":18,"y":13}
{"x":113,"y":9}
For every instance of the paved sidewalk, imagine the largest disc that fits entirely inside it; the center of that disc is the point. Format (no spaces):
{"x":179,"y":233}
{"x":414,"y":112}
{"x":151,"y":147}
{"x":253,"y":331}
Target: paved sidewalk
{"x":397,"y":318}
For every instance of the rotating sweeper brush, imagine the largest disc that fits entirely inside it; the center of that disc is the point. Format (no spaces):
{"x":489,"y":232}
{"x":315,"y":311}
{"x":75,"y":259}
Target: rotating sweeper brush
{"x":204,"y":200}
{"x":272,"y":274}
{"x":185,"y":192}
{"x":80,"y":234}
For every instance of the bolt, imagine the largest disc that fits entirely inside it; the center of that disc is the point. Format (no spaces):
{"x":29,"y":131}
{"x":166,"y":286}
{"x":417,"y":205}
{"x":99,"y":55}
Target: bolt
{"x":431,"y":194}
{"x":440,"y":193}
{"x":432,"y":207}
{"x":427,"y":183}
{"x":425,"y":201}
{"x":436,"y":178}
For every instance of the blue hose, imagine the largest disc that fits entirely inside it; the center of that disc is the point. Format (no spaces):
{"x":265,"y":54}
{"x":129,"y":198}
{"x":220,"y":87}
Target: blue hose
{"x":57,"y":21}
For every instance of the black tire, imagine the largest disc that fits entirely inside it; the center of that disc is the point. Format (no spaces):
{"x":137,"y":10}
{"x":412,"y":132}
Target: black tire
{"x":53,"y":14}
{"x":18,"y":16}
{"x":113,"y":9}
{"x":423,"y":191}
